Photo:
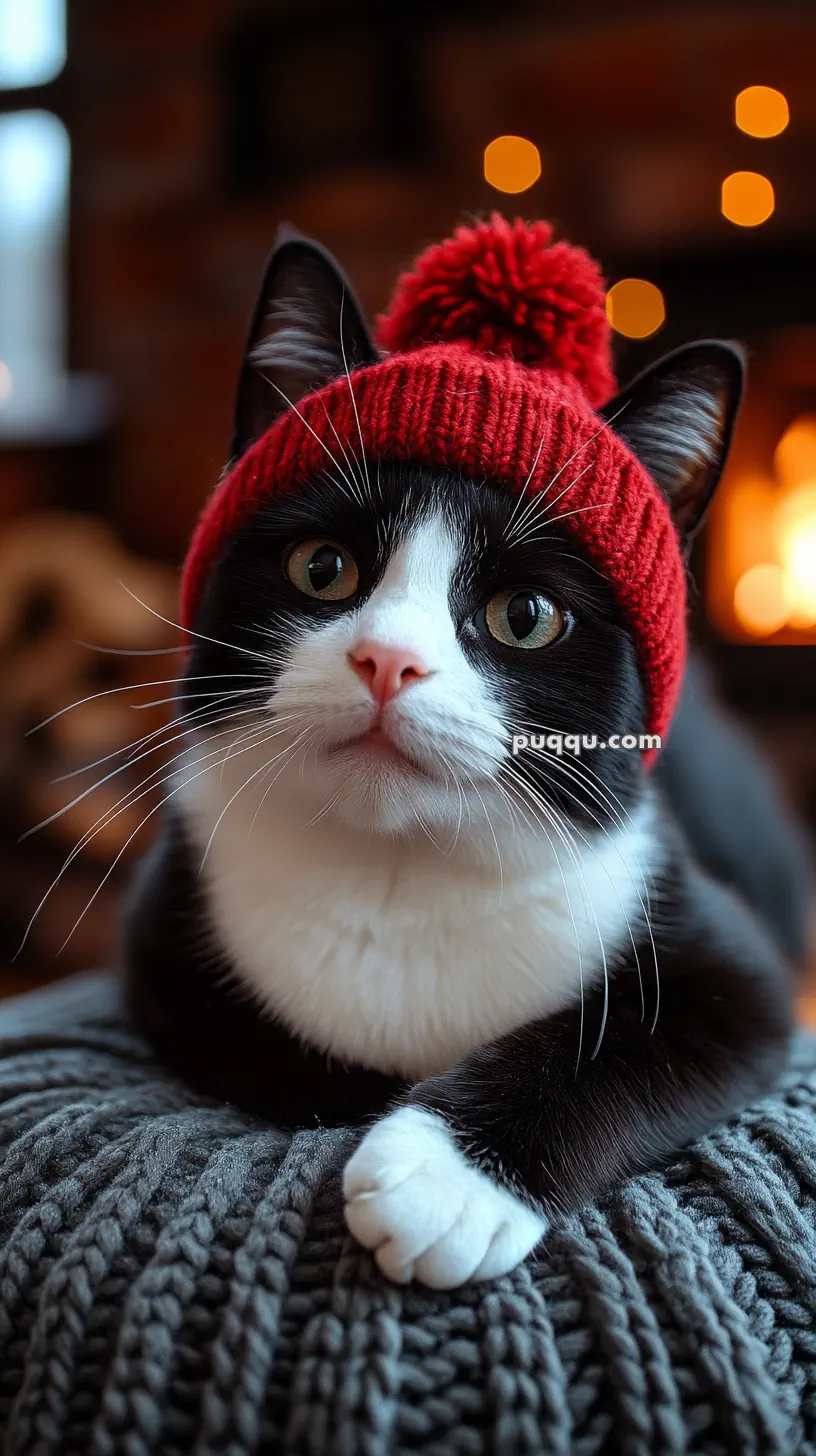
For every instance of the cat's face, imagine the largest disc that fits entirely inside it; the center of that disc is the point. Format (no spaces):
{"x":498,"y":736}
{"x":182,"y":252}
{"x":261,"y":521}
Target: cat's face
{"x":402,"y":626}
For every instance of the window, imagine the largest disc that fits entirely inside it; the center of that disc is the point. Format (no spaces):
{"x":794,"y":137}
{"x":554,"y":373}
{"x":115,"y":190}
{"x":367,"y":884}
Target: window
{"x":32,"y":41}
{"x":34,"y":181}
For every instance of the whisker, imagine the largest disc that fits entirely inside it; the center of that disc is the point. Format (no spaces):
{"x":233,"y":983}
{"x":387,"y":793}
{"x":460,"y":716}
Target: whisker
{"x":130,"y":688}
{"x":578,"y":952}
{"x":579,"y":511}
{"x":134,"y":746}
{"x":327,"y":808}
{"x":189,"y":631}
{"x":473,"y":785}
{"x":263,"y":768}
{"x":542,"y":517}
{"x":335,"y":462}
{"x":274,"y":780}
{"x":603,"y":426}
{"x":582,"y":771}
{"x":125,"y":847}
{"x":93,"y":788}
{"x":628,"y":869}
{"x":547,"y":810}
{"x":364,"y":461}
{"x":102,"y":822}
{"x":131,"y":651}
{"x":520,"y":497}
{"x":357,"y":496}
{"x":215,"y":693}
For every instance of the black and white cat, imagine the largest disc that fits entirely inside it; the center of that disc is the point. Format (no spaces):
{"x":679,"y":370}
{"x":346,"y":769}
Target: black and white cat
{"x":519,"y":971}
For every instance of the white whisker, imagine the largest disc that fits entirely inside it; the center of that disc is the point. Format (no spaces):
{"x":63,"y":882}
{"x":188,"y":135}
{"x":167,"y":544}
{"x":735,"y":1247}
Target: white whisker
{"x":102,"y":823}
{"x":131,"y":651}
{"x":335,"y":462}
{"x":189,"y":631}
{"x":364,"y":462}
{"x":542,"y":495}
{"x":129,"y":688}
{"x":263,"y":769}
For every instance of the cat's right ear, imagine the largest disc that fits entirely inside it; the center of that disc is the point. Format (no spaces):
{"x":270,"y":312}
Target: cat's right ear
{"x":307,"y":329}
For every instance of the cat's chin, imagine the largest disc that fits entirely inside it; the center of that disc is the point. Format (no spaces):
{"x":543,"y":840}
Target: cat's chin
{"x":383,"y":797}
{"x":373,"y":786}
{"x":374,"y":750}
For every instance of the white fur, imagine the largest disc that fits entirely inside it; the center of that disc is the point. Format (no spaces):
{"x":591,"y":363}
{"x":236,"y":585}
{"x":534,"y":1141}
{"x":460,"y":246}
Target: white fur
{"x":426,"y":1213}
{"x":387,"y":953}
{"x":366,"y":937}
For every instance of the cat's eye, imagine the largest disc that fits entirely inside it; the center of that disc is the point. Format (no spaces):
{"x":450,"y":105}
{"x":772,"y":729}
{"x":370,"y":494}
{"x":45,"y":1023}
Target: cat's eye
{"x":523,"y":617}
{"x":323,"y":569}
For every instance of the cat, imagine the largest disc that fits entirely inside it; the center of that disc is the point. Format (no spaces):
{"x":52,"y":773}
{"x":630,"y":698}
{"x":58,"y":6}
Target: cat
{"x":525,"y":976}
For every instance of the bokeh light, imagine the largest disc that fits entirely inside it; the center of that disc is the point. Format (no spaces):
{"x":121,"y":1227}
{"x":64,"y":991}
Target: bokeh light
{"x":635,"y":308}
{"x":761,"y":603}
{"x":761,"y":111}
{"x":747,"y":198}
{"x":5,"y":384}
{"x":795,"y":455}
{"x":796,"y":544}
{"x":512,"y":163}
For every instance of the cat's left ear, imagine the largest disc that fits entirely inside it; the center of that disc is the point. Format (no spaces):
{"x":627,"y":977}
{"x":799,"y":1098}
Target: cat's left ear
{"x":678,"y":417}
{"x":307,"y":329}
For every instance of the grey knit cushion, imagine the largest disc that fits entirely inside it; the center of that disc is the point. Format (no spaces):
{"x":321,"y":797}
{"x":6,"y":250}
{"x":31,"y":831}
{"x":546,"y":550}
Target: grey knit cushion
{"x":175,"y":1276}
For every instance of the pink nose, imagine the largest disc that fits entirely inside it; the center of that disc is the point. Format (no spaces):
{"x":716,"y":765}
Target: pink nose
{"x":386,"y":671}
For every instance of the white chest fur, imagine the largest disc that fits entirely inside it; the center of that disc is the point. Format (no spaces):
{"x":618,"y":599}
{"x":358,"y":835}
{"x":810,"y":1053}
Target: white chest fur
{"x":387,"y":953}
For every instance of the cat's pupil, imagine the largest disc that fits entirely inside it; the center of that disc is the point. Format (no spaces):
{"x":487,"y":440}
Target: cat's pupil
{"x":522,"y":614}
{"x":325,"y":565}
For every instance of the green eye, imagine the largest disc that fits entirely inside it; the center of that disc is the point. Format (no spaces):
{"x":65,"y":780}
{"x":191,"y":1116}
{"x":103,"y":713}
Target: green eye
{"x":323,"y":569}
{"x":522,"y":617}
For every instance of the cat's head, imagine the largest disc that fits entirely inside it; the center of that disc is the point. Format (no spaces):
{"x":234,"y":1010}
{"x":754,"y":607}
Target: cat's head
{"x":389,"y":631}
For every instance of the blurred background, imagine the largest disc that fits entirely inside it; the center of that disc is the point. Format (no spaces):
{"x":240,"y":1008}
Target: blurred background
{"x":148,"y":151}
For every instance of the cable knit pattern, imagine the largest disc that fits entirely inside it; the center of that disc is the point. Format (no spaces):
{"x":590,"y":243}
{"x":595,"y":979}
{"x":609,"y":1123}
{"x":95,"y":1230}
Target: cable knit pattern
{"x":176,"y":1277}
{"x":501,"y":348}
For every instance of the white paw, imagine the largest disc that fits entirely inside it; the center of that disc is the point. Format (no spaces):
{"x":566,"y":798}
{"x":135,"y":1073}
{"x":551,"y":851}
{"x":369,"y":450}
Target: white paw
{"x":428,"y":1215}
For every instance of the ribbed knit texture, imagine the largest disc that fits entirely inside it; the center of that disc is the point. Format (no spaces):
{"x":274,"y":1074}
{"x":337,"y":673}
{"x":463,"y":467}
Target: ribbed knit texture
{"x":176,"y":1277}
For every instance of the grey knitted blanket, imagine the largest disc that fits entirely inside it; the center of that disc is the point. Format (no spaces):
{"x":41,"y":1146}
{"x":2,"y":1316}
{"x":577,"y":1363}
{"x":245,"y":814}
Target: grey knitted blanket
{"x":175,"y":1277}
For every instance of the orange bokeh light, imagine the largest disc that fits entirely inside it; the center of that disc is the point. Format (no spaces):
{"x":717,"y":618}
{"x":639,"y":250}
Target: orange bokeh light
{"x":747,"y":198}
{"x":795,"y":455}
{"x":512,"y":163}
{"x":796,"y":544}
{"x":761,"y":111}
{"x":635,"y":308}
{"x":761,"y":603}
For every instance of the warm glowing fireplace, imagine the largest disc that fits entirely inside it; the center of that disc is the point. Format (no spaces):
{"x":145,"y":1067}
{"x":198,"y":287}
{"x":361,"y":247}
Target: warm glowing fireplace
{"x":761,"y":547}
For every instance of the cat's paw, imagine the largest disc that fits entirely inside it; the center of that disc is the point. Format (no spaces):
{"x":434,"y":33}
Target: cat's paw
{"x":426,"y":1212}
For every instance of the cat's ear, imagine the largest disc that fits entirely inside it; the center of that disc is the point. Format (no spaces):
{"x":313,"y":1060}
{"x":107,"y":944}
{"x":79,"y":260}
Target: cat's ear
{"x":306,"y":330}
{"x":678,"y":417}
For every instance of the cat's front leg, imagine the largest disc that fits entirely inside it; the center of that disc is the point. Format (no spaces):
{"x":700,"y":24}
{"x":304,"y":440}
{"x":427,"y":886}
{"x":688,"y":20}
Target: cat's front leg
{"x":460,"y":1182}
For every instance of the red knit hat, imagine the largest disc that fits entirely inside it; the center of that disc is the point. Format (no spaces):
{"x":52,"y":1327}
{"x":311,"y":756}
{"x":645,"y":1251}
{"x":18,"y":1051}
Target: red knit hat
{"x":499,"y":352}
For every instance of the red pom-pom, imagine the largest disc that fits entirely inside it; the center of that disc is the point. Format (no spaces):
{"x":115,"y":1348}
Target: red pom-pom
{"x":505,"y":288}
